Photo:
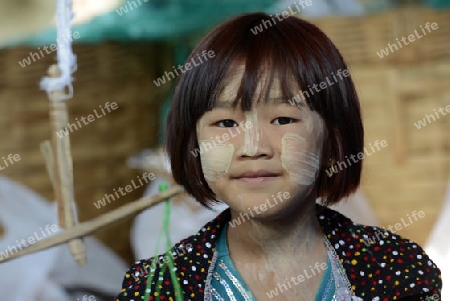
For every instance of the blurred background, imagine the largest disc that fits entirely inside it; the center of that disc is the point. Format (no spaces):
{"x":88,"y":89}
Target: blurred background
{"x":123,"y":47}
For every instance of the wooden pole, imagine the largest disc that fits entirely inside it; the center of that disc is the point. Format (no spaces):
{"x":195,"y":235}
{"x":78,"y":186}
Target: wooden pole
{"x":86,"y":228}
{"x":63,"y":168}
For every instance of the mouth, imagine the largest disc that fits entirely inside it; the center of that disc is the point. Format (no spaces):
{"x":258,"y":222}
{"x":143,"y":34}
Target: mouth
{"x":257,"y":176}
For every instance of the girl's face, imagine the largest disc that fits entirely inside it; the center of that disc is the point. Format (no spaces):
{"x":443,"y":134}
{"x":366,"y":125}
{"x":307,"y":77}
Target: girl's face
{"x":262,"y":162}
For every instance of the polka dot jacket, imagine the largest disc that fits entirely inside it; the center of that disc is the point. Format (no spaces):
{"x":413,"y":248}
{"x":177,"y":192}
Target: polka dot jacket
{"x":377,"y":264}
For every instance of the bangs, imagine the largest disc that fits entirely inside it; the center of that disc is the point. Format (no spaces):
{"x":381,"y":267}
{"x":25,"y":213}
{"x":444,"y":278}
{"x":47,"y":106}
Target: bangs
{"x":288,"y":53}
{"x":258,"y":75}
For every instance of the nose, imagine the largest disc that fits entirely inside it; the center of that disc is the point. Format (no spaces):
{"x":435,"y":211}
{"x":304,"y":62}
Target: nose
{"x":255,"y":144}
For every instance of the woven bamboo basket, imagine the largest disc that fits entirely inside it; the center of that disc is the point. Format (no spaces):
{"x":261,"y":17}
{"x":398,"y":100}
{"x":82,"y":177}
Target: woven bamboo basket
{"x":107,"y":72}
{"x":397,"y":91}
{"x":360,"y":38}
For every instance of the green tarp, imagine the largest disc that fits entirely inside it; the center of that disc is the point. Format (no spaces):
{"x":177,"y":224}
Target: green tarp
{"x":150,"y":20}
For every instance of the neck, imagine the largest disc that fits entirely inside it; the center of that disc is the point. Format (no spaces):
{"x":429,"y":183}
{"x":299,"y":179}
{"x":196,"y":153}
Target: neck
{"x":294,"y":233}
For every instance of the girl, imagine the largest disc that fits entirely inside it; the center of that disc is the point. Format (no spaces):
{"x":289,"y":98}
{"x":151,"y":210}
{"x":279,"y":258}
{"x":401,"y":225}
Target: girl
{"x":258,"y":127}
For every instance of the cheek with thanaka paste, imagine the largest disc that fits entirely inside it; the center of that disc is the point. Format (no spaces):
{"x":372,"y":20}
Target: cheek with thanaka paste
{"x":308,"y":119}
{"x":309,"y":122}
{"x":252,"y":135}
{"x":299,"y":159}
{"x":216,"y":161}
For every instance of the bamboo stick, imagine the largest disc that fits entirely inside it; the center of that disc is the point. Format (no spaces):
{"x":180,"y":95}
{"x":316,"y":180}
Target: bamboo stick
{"x":98,"y":223}
{"x":47,"y":153}
{"x":63,"y":169}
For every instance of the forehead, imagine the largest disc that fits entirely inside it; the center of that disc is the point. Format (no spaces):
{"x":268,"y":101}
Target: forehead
{"x":267,"y":90}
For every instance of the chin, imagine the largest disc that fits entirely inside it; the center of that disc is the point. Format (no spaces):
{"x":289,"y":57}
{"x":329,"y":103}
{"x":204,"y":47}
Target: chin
{"x":261,"y":204}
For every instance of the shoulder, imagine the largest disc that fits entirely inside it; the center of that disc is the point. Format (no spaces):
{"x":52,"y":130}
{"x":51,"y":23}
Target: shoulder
{"x":134,"y":281}
{"x":182,"y":259}
{"x":379,"y":263}
{"x":188,"y":260}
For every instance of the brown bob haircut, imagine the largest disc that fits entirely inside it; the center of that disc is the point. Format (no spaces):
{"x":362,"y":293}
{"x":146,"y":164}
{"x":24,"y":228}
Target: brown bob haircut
{"x":290,"y":49}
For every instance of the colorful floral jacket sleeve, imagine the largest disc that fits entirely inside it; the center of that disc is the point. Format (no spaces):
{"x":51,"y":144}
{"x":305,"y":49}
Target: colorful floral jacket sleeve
{"x":378,"y":264}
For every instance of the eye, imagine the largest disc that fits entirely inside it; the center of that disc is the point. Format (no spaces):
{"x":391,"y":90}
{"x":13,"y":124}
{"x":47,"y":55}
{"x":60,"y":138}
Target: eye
{"x":284,"y":120}
{"x":226,"y":123}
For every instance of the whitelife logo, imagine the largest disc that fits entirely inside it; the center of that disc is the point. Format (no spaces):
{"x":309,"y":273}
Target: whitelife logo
{"x":342,"y":164}
{"x":297,"y":99}
{"x":87,"y":298}
{"x":233,"y":132}
{"x":90,"y":118}
{"x":110,"y":197}
{"x":281,"y":287}
{"x":284,"y":15}
{"x":281,"y":196}
{"x":435,"y":297}
{"x":423,"y":122}
{"x":180,"y":251}
{"x":411,"y":38}
{"x":11,"y":158}
{"x":188,"y":66}
{"x":49,"y":230}
{"x":380,"y":235}
{"x":124,"y":9}
{"x":35,"y":55}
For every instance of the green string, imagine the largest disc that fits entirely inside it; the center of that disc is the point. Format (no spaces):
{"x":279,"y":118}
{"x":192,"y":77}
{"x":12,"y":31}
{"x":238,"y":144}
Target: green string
{"x":168,"y":254}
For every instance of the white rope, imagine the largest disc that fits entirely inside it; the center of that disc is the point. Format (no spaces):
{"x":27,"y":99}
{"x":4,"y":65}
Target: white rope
{"x":67,"y":62}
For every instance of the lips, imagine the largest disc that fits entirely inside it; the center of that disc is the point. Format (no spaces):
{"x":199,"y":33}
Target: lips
{"x":257,"y":175}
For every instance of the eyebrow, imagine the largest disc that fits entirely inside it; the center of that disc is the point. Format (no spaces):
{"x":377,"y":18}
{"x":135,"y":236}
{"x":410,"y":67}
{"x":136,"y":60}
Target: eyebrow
{"x":274,"y":100}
